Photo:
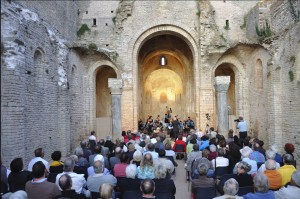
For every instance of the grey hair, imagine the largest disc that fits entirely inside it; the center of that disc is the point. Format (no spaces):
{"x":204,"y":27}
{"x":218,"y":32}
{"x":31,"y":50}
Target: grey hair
{"x":205,"y":161}
{"x":131,"y":171}
{"x":137,"y":155}
{"x":74,"y":157}
{"x":231,"y":187}
{"x":296,"y":178}
{"x":220,"y":152}
{"x":160,"y":171}
{"x":270,"y":154}
{"x":98,"y":166}
{"x":270,"y":164}
{"x":158,"y":139}
{"x":78,"y":151}
{"x":212,"y":148}
{"x":274,"y":148}
{"x":202,"y":169}
{"x":69,"y":164}
{"x":261,"y":182}
{"x":244,"y":165}
{"x":108,"y":137}
{"x":288,"y":159}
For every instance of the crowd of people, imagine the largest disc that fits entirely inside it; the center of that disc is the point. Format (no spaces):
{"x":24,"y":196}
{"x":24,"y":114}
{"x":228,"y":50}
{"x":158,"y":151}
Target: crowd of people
{"x":141,"y":165}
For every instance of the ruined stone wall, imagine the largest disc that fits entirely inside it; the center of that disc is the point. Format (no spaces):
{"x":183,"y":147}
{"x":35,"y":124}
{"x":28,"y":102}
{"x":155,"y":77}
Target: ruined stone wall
{"x":34,"y":87}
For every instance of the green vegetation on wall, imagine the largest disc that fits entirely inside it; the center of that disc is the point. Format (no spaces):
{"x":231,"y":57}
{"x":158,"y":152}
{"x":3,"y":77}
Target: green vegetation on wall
{"x":291,"y":75}
{"x":93,"y":46}
{"x":264,"y":32}
{"x":82,"y":30}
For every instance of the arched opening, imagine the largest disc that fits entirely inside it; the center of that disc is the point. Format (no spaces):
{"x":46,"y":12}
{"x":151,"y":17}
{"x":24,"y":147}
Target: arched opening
{"x":227,"y":69}
{"x":103,"y":96}
{"x":258,"y":77}
{"x":166,"y":77}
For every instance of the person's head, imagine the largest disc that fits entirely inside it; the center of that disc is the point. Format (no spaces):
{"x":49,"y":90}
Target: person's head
{"x":193,"y":141}
{"x":131,"y":171}
{"x":79,"y":152}
{"x":288,"y":159}
{"x":212,"y":148}
{"x":83,"y":143}
{"x":204,"y":138}
{"x":220,"y":152}
{"x":231,"y":187}
{"x":295,"y":181}
{"x":212,"y":129}
{"x":68,"y":165}
{"x":151,"y":147}
{"x":241,"y":118}
{"x":101,"y":142}
{"x":245,"y":152}
{"x":75,"y":158}
{"x":106,"y":191}
{"x":222,"y":143}
{"x":118,"y":150}
{"x":137,"y":156}
{"x":160,"y":171}
{"x":108,"y":138}
{"x":270,"y":154}
{"x":205,"y":153}
{"x":158,"y":139}
{"x":243,"y":167}
{"x":98,"y":167}
{"x":261,"y":183}
{"x":270,"y":164}
{"x":97,"y":149}
{"x":289,"y":148}
{"x":202,"y":169}
{"x":230,"y":133}
{"x":124,"y":157}
{"x":274,"y":148}
{"x":147,"y":187}
{"x":65,"y":182}
{"x":16,"y":165}
{"x":168,"y":146}
{"x":245,"y":142}
{"x":147,"y":160}
{"x":39,"y":152}
{"x":56,"y":155}
{"x":38,"y":170}
{"x":196,"y":147}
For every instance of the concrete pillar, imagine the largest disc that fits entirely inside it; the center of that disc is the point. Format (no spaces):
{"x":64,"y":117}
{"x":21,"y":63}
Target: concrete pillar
{"x":221,"y":86}
{"x":115,"y":86}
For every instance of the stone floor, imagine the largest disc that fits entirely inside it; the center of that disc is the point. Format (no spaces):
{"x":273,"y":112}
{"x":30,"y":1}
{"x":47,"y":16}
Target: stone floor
{"x":180,"y":182}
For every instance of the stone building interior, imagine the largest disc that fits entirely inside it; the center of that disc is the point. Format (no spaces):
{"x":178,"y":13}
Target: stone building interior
{"x":72,"y":67}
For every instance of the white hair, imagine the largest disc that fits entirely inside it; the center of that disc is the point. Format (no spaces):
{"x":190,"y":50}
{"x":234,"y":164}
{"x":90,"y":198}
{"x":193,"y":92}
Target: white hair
{"x":274,"y":148}
{"x":131,"y":171}
{"x":231,"y":187}
{"x":270,"y":154}
{"x":212,"y":148}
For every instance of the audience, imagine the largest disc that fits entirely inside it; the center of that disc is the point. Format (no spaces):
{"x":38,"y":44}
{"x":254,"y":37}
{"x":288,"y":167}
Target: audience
{"x":56,"y":165}
{"x":65,"y":183}
{"x":147,"y":188}
{"x":287,"y":169}
{"x":119,"y":168}
{"x":146,"y":169}
{"x":231,"y":188}
{"x":270,"y":155}
{"x":39,"y":154}
{"x":245,"y":152}
{"x":292,"y":191}
{"x":203,"y":180}
{"x":220,"y":160}
{"x":273,"y":175}
{"x":261,"y":184}
{"x":163,"y":184}
{"x":106,"y":191}
{"x":39,"y":187}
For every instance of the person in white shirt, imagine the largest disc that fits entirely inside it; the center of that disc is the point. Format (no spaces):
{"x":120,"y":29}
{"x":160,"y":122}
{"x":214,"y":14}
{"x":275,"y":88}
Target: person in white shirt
{"x":292,"y":191}
{"x":245,"y":152}
{"x":150,"y":150}
{"x":220,"y":161}
{"x":270,"y":155}
{"x":242,"y":126}
{"x":39,"y":154}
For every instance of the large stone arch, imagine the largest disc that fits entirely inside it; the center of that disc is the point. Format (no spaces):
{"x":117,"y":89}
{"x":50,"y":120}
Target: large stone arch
{"x":90,"y":94}
{"x":137,"y":42}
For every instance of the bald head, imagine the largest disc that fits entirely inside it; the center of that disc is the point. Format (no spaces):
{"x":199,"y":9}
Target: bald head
{"x":65,"y":182}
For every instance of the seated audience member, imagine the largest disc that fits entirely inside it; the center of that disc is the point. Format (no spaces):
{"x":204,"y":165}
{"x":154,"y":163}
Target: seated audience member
{"x":213,"y":152}
{"x":163,"y":184}
{"x":78,"y":180}
{"x":158,"y":145}
{"x":220,"y":161}
{"x":289,"y":149}
{"x":163,"y":160}
{"x":261,"y":147}
{"x":119,"y":168}
{"x":179,"y":141}
{"x":106,"y":191}
{"x":130,"y":152}
{"x":86,"y":151}
{"x":130,"y":183}
{"x":243,"y":177}
{"x":39,"y":187}
{"x":169,"y":151}
{"x":82,"y":161}
{"x":18,"y":177}
{"x":192,"y":156}
{"x":261,"y":185}
{"x":109,"y":144}
{"x":104,"y":150}
{"x":204,"y":143}
{"x":137,"y":158}
{"x":231,"y":188}
{"x":116,"y":158}
{"x":151,"y":150}
{"x":233,"y":155}
{"x":65,"y":183}
{"x":95,"y":181}
{"x":256,"y":155}
{"x":278,"y":157}
{"x":202,"y":180}
{"x":146,"y":169}
{"x":245,"y":152}
{"x":97,"y":150}
{"x":292,"y":191}
{"x":273,"y":175}
{"x":287,"y":169}
{"x":189,"y":147}
{"x":147,"y":187}
{"x":56,"y":165}
{"x":90,"y":170}
{"x":16,"y":195}
{"x":39,"y":154}
{"x":270,"y":155}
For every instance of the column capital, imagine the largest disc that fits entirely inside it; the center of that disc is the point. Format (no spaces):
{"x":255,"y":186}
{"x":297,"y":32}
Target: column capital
{"x":222,"y":83}
{"x":115,"y":85}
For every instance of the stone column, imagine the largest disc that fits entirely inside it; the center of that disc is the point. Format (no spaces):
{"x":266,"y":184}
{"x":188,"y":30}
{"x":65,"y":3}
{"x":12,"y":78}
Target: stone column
{"x":115,"y":86}
{"x":221,"y":86}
